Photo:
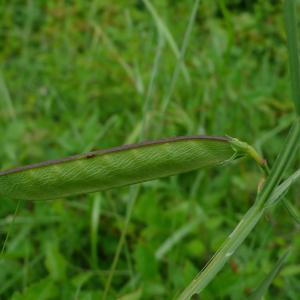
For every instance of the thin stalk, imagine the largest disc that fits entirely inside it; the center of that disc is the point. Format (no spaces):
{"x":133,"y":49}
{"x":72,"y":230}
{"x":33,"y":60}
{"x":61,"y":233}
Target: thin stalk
{"x":5,"y":96}
{"x":135,"y":189}
{"x":148,"y":99}
{"x":10,"y":228}
{"x":291,"y":210}
{"x":245,"y":226}
{"x":267,"y":281}
{"x":95,"y":219}
{"x":217,"y":262}
{"x":163,"y":30}
{"x":180,"y":59}
{"x":282,"y":189}
{"x":292,"y":44}
{"x":133,"y":196}
{"x":242,"y":148}
{"x":281,"y":164}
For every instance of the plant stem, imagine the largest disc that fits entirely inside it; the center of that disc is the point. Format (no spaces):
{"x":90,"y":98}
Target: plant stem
{"x":281,"y":164}
{"x":217,"y":262}
{"x":180,"y":61}
{"x":133,"y":196}
{"x":245,"y":226}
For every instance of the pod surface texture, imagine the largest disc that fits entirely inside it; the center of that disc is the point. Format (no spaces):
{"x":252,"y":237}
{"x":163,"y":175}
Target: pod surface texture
{"x":109,"y":168}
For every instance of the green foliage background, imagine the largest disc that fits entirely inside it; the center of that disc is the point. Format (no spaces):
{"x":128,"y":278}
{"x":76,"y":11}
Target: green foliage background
{"x":74,"y":76}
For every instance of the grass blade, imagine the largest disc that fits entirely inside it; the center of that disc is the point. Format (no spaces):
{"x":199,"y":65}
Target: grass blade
{"x":264,"y":285}
{"x":292,"y":44}
{"x":135,"y":190}
{"x":148,"y":98}
{"x":180,"y":58}
{"x":245,"y":226}
{"x":132,"y":198}
{"x":175,"y":238}
{"x":281,"y":190}
{"x":95,"y":216}
{"x":163,"y":29}
{"x":228,"y":248}
{"x":5,"y":96}
{"x":281,"y":164}
{"x":291,"y":210}
{"x":10,"y":228}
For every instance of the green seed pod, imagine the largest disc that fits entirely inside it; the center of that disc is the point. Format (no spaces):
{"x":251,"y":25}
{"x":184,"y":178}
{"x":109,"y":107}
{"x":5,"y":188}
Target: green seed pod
{"x":120,"y":166}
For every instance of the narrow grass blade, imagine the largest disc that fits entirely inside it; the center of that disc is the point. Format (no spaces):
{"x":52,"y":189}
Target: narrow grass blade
{"x":95,"y":216}
{"x":245,"y":226}
{"x":228,"y":248}
{"x":11,"y":282}
{"x":136,"y":295}
{"x":123,"y":63}
{"x":5,"y":97}
{"x":147,"y":103}
{"x":135,"y":190}
{"x":265,"y":284}
{"x":175,"y":238}
{"x":163,"y":29}
{"x":10,"y":227}
{"x":291,"y":210}
{"x":292,"y":43}
{"x":180,"y":58}
{"x":109,"y":124}
{"x":132,"y":198}
{"x":281,"y":190}
{"x":283,"y":125}
{"x":281,"y":164}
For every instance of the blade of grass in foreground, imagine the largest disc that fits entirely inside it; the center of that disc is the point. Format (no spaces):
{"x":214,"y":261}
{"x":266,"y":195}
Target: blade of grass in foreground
{"x":5,"y":96}
{"x":248,"y":222}
{"x":131,"y":201}
{"x":180,"y":59}
{"x":291,"y":210}
{"x":264,"y":285}
{"x":134,"y":191}
{"x":163,"y":29}
{"x":292,"y":44}
{"x":94,"y":225}
{"x":281,"y":190}
{"x":282,"y":162}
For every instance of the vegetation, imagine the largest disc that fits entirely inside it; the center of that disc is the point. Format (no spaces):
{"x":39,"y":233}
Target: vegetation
{"x":96,"y":74}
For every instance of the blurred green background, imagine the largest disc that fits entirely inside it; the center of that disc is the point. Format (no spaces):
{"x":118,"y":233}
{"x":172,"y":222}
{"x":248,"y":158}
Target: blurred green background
{"x":82,"y":75}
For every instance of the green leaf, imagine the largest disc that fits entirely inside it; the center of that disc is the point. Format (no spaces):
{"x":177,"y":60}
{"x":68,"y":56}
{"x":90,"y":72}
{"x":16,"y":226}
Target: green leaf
{"x":136,"y":295}
{"x":264,"y":285}
{"x":55,"y":262}
{"x":146,"y":263}
{"x":42,"y":290}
